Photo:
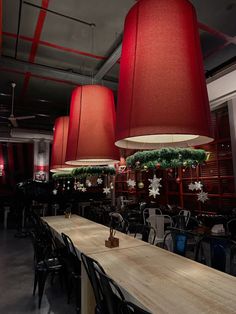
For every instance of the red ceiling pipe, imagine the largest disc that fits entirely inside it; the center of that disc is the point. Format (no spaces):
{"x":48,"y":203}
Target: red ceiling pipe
{"x":162,"y":96}
{"x":91,"y":133}
{"x":59,"y":145}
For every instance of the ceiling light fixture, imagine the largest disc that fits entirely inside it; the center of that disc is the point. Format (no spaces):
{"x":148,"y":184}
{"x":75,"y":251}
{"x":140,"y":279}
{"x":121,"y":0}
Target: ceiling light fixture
{"x":59,"y":145}
{"x":91,"y":133}
{"x":162,"y":95}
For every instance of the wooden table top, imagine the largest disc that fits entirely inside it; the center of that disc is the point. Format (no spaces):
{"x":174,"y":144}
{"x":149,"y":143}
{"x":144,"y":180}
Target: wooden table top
{"x":168,"y":283}
{"x":88,"y":236}
{"x":162,"y":281}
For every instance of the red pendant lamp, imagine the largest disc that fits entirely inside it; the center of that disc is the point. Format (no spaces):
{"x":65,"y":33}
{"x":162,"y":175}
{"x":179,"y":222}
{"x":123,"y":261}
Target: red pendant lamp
{"x":59,"y":145}
{"x":91,"y":133}
{"x":162,"y":95}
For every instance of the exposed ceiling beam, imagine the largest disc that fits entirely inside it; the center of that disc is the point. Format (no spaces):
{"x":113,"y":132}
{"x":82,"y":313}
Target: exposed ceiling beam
{"x":114,"y":57}
{"x":44,"y":71}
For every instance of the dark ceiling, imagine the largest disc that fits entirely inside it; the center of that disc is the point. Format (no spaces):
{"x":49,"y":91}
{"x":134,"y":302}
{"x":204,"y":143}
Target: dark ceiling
{"x":50,"y":46}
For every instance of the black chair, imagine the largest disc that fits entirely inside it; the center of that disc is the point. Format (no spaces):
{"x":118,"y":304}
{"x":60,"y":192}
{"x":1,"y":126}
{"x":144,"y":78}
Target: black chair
{"x":212,"y":251}
{"x":73,"y":270}
{"x":231,"y":228}
{"x":45,"y":263}
{"x":130,"y":308}
{"x":147,"y":233}
{"x":90,"y":266}
{"x":112,"y":295}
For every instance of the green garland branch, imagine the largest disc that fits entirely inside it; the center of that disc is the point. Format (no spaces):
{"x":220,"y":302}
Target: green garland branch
{"x":167,"y":158}
{"x":62,"y":176}
{"x":83,"y":172}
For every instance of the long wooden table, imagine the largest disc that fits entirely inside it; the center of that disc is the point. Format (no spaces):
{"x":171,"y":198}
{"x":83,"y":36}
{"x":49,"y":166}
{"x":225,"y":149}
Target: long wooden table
{"x":162,"y":281}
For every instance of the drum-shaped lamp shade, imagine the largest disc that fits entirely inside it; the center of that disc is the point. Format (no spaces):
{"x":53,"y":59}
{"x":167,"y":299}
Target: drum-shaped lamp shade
{"x":59,"y":145}
{"x":91,"y":133}
{"x":162,"y":95}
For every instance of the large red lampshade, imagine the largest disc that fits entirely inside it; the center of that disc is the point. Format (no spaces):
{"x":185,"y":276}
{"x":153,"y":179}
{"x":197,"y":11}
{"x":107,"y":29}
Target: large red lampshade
{"x":91,"y":133}
{"x":162,"y":96}
{"x":59,"y":145}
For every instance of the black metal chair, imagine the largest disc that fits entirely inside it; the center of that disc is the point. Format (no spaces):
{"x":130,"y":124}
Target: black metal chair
{"x":112,"y":295}
{"x":212,"y":251}
{"x":231,"y":227}
{"x":90,"y":266}
{"x":73,"y":270}
{"x":146,"y":232}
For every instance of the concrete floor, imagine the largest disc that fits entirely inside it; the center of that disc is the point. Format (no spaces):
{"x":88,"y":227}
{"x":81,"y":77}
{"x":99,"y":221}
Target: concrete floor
{"x":16,"y":280}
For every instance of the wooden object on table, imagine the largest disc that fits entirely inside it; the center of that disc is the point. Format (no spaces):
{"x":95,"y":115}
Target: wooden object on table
{"x":88,"y":236}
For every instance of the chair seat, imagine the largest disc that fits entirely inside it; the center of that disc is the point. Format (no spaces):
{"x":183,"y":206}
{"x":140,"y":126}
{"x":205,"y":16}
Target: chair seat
{"x":49,"y":264}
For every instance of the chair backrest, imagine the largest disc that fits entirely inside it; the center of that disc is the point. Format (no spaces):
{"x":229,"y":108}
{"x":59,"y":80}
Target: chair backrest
{"x":217,"y":247}
{"x":112,"y":294}
{"x":69,"y":245}
{"x":158,"y":222}
{"x":147,"y":212}
{"x":90,"y":266}
{"x":176,"y":241}
{"x":130,"y":308}
{"x":231,"y":227}
{"x":186,"y":214}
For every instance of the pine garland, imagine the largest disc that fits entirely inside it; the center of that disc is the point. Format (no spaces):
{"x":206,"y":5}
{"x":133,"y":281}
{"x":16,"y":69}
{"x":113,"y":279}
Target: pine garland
{"x":83,"y":172}
{"x":167,"y":158}
{"x":62,"y":176}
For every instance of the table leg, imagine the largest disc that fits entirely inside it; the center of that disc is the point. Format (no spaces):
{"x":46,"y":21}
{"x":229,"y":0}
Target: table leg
{"x":87,"y":296}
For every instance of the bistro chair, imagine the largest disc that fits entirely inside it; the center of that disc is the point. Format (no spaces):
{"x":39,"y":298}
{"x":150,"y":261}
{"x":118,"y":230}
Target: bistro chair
{"x":91,"y":266}
{"x":186,"y":214}
{"x":176,"y":242}
{"x":73,"y":269}
{"x":159,"y":223}
{"x":214,"y":252}
{"x":231,"y":228}
{"x":147,"y":212}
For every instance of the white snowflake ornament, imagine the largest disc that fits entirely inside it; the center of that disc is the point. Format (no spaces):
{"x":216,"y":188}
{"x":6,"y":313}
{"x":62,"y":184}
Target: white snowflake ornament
{"x":154,"y":192}
{"x":198,"y":185}
{"x":99,"y":180}
{"x":88,"y":183}
{"x":83,"y":189}
{"x":155,"y":182}
{"x":131,"y":183}
{"x":191,"y":186}
{"x":202,"y":196}
{"x":106,"y":190}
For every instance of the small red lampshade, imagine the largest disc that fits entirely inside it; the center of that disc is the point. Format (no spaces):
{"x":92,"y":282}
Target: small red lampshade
{"x":162,"y":95}
{"x":59,"y":145}
{"x":91,"y":133}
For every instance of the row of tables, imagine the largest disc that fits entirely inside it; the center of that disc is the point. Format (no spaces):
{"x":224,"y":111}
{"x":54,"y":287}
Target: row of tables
{"x":158,"y":280}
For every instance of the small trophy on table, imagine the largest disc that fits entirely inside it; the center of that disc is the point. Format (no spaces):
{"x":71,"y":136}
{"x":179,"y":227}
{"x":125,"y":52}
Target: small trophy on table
{"x":116,"y":220}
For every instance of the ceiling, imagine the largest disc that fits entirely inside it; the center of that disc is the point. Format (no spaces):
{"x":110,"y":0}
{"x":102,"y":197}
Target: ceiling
{"x":50,"y":46}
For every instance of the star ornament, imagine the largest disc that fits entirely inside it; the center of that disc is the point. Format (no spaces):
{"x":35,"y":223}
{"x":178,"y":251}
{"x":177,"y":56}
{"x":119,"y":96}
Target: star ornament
{"x":83,"y":189}
{"x":198,"y":185}
{"x":131,"y":183}
{"x":154,"y":192}
{"x":106,"y":190}
{"x":191,"y":186}
{"x":202,"y":196}
{"x":155,"y":182}
{"x":99,"y":180}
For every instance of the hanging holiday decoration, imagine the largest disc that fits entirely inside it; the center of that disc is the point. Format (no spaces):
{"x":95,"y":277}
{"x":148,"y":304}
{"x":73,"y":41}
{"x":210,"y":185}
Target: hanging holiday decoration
{"x":155,"y":182}
{"x":166,"y":158}
{"x":111,"y":186}
{"x":196,"y":186}
{"x":54,"y":192}
{"x":154,"y":186}
{"x":191,"y":186}
{"x":106,"y":190}
{"x":131,"y":183}
{"x":83,"y":189}
{"x":202,"y":196}
{"x":99,"y":180}
{"x":141,"y":185}
{"x":88,"y":183}
{"x":83,"y":172}
{"x":154,"y":192}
